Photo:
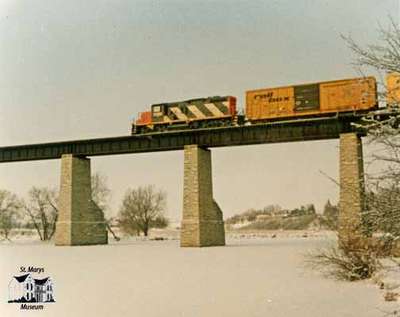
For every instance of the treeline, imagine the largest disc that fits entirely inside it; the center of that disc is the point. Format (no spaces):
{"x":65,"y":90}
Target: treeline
{"x":274,"y":217}
{"x":36,"y":211}
{"x":141,"y":209}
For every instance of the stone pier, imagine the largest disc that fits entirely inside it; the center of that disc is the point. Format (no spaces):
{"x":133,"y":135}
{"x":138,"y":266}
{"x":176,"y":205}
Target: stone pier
{"x":351,"y":202}
{"x":80,"y":221}
{"x":202,"y":223}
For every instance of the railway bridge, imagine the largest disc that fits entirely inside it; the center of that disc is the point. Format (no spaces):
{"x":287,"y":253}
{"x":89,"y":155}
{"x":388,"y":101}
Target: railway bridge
{"x":81,"y":222}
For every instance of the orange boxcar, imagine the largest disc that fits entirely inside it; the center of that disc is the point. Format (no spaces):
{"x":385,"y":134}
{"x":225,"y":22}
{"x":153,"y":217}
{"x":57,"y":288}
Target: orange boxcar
{"x":393,"y":88}
{"x":349,"y":95}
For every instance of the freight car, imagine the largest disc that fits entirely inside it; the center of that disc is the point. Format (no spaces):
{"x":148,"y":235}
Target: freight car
{"x":263,"y":105}
{"x":189,"y":114}
{"x":393,"y":89}
{"x":319,"y":99}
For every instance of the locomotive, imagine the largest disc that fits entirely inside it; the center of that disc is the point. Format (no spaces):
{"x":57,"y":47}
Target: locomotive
{"x":189,"y":114}
{"x":321,"y":99}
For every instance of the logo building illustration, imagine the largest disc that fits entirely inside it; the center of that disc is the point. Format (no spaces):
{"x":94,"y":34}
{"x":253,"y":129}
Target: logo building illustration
{"x":26,"y":289}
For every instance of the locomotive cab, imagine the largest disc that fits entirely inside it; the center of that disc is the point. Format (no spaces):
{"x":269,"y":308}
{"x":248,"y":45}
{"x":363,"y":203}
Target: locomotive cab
{"x":158,"y":112}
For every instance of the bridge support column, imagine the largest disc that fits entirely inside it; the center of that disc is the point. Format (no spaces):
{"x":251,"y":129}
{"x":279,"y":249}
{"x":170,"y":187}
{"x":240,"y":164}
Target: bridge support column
{"x":80,"y":221}
{"x":351,"y":202}
{"x":202,"y":223}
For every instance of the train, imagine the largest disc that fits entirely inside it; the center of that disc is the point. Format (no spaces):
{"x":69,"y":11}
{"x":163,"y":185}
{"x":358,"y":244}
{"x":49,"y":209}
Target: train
{"x":337,"y":97}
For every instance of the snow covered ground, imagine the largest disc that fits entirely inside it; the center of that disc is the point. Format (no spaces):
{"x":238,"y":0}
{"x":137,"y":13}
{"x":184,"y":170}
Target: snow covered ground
{"x":251,"y":276}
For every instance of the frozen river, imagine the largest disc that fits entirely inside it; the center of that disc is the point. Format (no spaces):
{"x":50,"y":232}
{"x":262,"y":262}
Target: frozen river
{"x":248,"y":277}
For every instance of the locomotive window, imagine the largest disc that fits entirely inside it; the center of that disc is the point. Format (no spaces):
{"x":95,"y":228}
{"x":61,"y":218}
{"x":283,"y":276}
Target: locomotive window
{"x":156,"y":109}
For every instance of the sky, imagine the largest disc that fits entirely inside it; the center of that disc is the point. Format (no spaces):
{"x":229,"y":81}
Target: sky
{"x":83,"y":69}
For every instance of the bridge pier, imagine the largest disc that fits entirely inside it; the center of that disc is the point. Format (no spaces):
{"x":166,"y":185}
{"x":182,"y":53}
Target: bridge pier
{"x":80,"y":221}
{"x":352,"y":200}
{"x":202,"y":223}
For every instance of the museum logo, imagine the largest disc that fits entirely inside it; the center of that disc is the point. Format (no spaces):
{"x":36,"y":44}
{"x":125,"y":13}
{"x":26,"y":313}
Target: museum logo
{"x":30,"y":289}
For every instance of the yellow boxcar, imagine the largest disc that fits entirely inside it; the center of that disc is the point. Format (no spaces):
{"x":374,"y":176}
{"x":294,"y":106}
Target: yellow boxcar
{"x":348,"y":95}
{"x":393,"y":89}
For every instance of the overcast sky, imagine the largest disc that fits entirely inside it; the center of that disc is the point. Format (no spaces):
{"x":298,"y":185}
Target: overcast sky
{"x":82,"y":69}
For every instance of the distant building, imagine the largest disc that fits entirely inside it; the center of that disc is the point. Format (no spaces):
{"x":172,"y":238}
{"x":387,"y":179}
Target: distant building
{"x":25,"y":288}
{"x":264,"y":217}
{"x":272,"y":214}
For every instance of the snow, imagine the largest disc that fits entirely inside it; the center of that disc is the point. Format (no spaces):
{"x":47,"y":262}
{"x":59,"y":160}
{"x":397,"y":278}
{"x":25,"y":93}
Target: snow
{"x":251,"y":276}
{"x":240,"y":224}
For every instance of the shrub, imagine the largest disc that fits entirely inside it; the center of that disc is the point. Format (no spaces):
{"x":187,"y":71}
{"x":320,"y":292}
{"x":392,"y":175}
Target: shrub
{"x":343,"y":264}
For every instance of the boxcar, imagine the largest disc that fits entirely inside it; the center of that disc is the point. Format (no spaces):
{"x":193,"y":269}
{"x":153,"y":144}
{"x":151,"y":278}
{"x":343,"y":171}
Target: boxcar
{"x":349,"y":95}
{"x":393,"y":89}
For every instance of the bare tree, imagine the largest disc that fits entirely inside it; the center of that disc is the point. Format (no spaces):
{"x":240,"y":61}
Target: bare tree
{"x":42,"y":207}
{"x":101,"y":195}
{"x":142,"y":208}
{"x":42,"y":211}
{"x":382,"y":57}
{"x":383,"y":187}
{"x":9,"y":208}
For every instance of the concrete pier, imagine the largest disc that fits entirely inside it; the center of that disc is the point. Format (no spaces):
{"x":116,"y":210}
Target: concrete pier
{"x":202,"y":223}
{"x":80,"y":221}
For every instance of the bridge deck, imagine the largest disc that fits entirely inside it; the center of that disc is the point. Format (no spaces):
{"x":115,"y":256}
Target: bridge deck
{"x":287,"y":131}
